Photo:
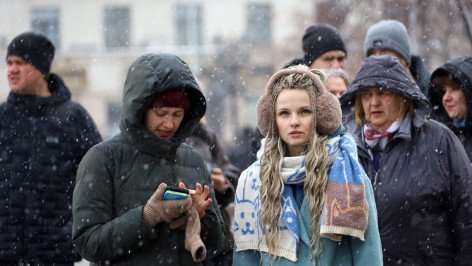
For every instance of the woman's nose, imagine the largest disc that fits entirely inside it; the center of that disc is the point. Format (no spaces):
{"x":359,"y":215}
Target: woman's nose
{"x":168,"y":123}
{"x":447,"y":95}
{"x":294,"y":120}
{"x":375,"y":100}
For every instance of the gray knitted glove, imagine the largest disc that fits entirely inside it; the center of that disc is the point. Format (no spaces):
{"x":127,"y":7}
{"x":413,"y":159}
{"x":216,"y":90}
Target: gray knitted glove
{"x":157,"y":210}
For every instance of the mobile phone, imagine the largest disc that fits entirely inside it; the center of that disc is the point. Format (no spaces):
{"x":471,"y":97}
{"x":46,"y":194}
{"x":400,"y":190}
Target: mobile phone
{"x":175,"y":193}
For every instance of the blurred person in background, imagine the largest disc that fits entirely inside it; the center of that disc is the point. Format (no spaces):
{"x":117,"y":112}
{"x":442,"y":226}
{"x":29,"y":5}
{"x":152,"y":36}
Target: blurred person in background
{"x":120,"y":216}
{"x":294,"y":62}
{"x":224,"y":176}
{"x":43,"y":137}
{"x":450,"y":94}
{"x":323,"y":47}
{"x":306,"y":200}
{"x":419,"y":170}
{"x":337,"y":81}
{"x":390,"y":37}
{"x":248,"y":142}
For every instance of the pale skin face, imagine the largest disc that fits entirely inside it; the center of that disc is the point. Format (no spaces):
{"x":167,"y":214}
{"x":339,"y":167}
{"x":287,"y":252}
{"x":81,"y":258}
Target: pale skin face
{"x":294,"y":119}
{"x":383,"y":51}
{"x":380,"y":108}
{"x":164,"y":121}
{"x":336,"y":86}
{"x":453,"y":100}
{"x":25,"y":79}
{"x":330,"y":59}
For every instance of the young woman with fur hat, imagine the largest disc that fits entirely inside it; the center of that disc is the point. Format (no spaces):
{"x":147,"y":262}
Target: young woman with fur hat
{"x":306,"y":199}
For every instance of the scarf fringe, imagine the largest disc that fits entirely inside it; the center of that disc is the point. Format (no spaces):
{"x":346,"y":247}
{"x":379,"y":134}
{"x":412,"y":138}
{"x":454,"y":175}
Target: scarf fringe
{"x":279,"y":251}
{"x":335,"y":233}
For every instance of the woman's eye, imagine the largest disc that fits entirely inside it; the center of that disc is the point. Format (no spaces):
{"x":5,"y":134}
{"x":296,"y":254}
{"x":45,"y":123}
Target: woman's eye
{"x":307,"y":111}
{"x":283,"y":113}
{"x":178,"y":114}
{"x":456,"y":88}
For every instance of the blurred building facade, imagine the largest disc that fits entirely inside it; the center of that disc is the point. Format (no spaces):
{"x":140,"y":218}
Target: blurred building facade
{"x":229,"y":45}
{"x":232,"y":46}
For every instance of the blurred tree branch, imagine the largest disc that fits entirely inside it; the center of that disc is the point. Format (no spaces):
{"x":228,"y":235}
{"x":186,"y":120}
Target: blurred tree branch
{"x":465,"y":18}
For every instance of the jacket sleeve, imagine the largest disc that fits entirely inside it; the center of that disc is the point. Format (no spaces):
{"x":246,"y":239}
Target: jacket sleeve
{"x":457,"y":166}
{"x":87,"y":131}
{"x":369,"y":251}
{"x":213,"y":230}
{"x":97,"y":234}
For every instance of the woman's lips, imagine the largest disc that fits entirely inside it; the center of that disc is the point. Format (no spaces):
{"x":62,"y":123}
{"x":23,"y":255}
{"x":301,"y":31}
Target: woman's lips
{"x":164,"y":134}
{"x":296,"y":133}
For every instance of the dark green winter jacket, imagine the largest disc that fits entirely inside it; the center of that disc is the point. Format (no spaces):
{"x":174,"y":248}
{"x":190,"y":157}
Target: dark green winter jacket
{"x":117,"y":177}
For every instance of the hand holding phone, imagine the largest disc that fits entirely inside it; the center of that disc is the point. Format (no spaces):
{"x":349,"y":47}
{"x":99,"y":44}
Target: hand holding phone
{"x":157,"y":209}
{"x":175,"y":193}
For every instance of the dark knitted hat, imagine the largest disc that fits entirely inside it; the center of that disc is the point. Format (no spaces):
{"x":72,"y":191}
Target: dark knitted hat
{"x":389,"y":34}
{"x":328,"y":110}
{"x":294,"y":62}
{"x":319,"y":39}
{"x":35,"y":49}
{"x":171,"y":99}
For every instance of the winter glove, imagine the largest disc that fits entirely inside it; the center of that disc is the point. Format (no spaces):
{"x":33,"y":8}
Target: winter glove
{"x":193,"y":242}
{"x":157,"y":210}
{"x":180,"y":222}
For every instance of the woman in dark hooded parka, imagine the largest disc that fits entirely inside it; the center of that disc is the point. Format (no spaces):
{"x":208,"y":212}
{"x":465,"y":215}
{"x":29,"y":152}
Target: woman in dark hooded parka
{"x":451,"y":95}
{"x":418,"y":167}
{"x":120,"y":217}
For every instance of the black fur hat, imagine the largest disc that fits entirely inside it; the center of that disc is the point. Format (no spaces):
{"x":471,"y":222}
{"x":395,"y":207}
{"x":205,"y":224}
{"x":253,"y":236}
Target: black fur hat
{"x":35,"y":49}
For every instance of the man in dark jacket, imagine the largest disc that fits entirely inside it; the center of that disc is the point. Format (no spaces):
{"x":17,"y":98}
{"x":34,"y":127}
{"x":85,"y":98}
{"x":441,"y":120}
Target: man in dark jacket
{"x":43,"y":137}
{"x":120,"y":216}
{"x":451,"y":95}
{"x":419,"y":169}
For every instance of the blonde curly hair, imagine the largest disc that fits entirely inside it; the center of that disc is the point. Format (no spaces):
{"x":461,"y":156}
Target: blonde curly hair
{"x":316,"y":165}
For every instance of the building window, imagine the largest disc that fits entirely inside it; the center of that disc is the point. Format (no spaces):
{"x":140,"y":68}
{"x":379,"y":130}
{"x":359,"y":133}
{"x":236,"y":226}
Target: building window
{"x":46,"y":21}
{"x":259,"y":30}
{"x":116,"y":27}
{"x":188,"y":23}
